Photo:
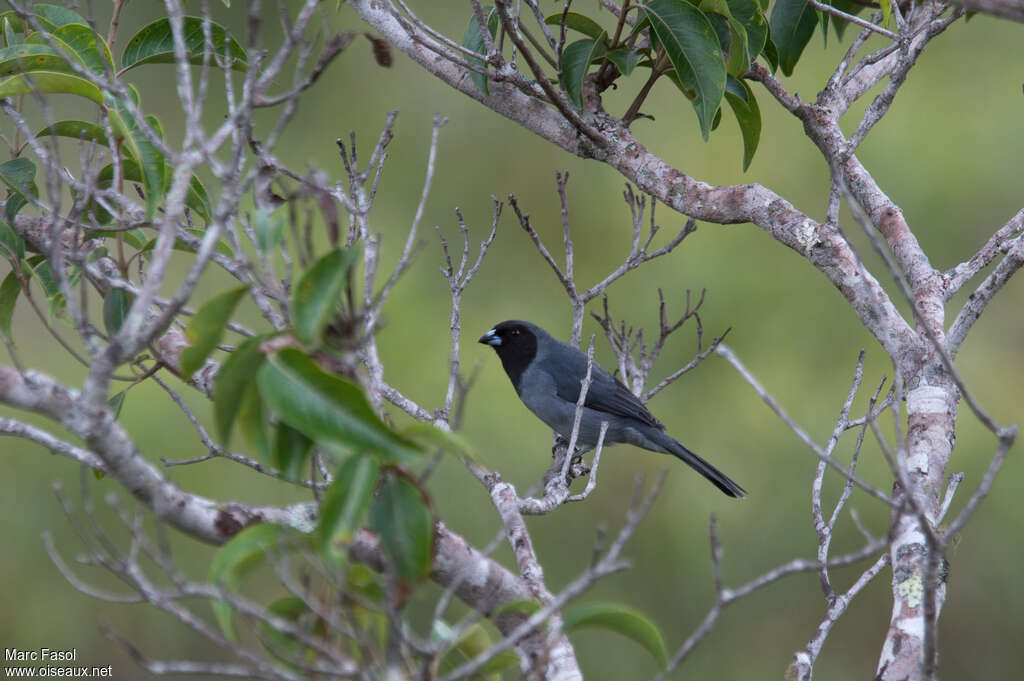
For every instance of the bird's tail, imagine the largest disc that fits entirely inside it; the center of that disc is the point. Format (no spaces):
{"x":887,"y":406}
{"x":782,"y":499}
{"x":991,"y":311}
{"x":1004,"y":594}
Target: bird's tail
{"x":717,"y":477}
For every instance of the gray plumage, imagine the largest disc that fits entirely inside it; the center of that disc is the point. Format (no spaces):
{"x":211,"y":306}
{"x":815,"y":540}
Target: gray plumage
{"x":547,"y":374}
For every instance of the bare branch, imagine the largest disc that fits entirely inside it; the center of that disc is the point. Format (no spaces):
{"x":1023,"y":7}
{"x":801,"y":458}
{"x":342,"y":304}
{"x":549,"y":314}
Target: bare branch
{"x":999,"y":243}
{"x":726,"y":352}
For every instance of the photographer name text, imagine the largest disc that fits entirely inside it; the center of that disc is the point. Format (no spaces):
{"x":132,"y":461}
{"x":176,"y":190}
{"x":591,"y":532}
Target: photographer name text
{"x":40,"y":655}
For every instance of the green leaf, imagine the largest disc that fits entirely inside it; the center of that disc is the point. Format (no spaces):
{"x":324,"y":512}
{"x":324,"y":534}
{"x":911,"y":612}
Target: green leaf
{"x":577,"y":22}
{"x":327,"y":408}
{"x":290,"y":452}
{"x":116,"y":403}
{"x":283,"y":645}
{"x":748,"y":115}
{"x":152,"y":165}
{"x":49,"y":82}
{"x":19,"y":174}
{"x":12,"y":246}
{"x":524,"y":607}
{"x":44,"y":276}
{"x":9,"y":291}
{"x":81,"y":44}
{"x":206,"y":328}
{"x":473,"y":40}
{"x":27,"y":57}
{"x":576,"y":60}
{"x":79,"y":130}
{"x":426,"y":435}
{"x":252,"y":421}
{"x":115,"y":308}
{"x":10,"y":35}
{"x":316,"y":295}
{"x":749,"y":14}
{"x":886,"y":14}
{"x":268,"y":227}
{"x":693,"y":49}
{"x":848,"y":6}
{"x":738,"y":61}
{"x":237,"y":373}
{"x":473,"y":641}
{"x":196,"y":198}
{"x":771,"y":53}
{"x":405,"y":527}
{"x":344,"y":504}
{"x":57,"y":16}
{"x":624,"y":58}
{"x":792,"y":25}
{"x":154,"y":44}
{"x":243,"y":553}
{"x":621,"y":620}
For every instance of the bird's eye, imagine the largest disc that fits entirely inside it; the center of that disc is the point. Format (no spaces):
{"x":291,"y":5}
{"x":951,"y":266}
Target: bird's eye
{"x":515,"y":332}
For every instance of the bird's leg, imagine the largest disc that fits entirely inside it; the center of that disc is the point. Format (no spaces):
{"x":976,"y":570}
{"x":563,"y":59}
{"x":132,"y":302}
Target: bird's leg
{"x":577,"y":468}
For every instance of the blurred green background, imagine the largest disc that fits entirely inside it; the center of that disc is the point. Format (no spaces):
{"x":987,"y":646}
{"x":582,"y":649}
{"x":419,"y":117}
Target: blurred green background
{"x":949,"y":153}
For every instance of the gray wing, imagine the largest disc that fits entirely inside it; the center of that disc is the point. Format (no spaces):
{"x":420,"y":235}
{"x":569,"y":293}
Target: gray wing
{"x":606,"y":393}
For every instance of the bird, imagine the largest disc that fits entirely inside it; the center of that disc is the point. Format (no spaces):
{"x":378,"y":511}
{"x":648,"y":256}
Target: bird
{"x":547,"y":374}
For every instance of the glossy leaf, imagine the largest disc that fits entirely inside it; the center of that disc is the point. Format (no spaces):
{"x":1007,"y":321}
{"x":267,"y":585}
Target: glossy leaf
{"x":290,"y":452}
{"x":405,"y":527}
{"x":577,"y":22}
{"x":115,"y":308}
{"x":327,"y":408}
{"x":28,"y":57}
{"x":12,"y":246}
{"x":281,"y":644}
{"x":206,"y":327}
{"x":472,"y":642}
{"x":116,"y":403}
{"x":49,"y":82}
{"x":473,"y":40}
{"x":7,"y":26}
{"x":738,"y":61}
{"x":848,"y":6}
{"x":154,"y":44}
{"x":80,"y":43}
{"x":576,"y":61}
{"x":19,"y":174}
{"x":886,"y":7}
{"x":748,"y":115}
{"x":196,"y":199}
{"x":428,"y":436}
{"x":316,"y":295}
{"x":44,"y":278}
{"x":57,"y":16}
{"x":792,"y":25}
{"x":243,"y":553}
{"x":78,"y":130}
{"x":693,"y":49}
{"x":180,"y":245}
{"x":771,"y":53}
{"x":345,"y":503}
{"x":152,"y":165}
{"x":268,"y":227}
{"x":237,"y":373}
{"x":9,"y":291}
{"x":252,"y":419}
{"x":621,"y":620}
{"x":749,"y":14}
{"x":624,"y":58}
{"x":732,"y":36}
{"x":524,"y":607}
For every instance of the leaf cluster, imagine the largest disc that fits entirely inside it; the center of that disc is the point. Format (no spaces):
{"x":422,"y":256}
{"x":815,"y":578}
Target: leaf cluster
{"x":704,"y":47}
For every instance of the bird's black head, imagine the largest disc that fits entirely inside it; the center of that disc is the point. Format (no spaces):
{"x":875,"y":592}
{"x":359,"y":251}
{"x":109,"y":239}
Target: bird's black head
{"x":516,"y":345}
